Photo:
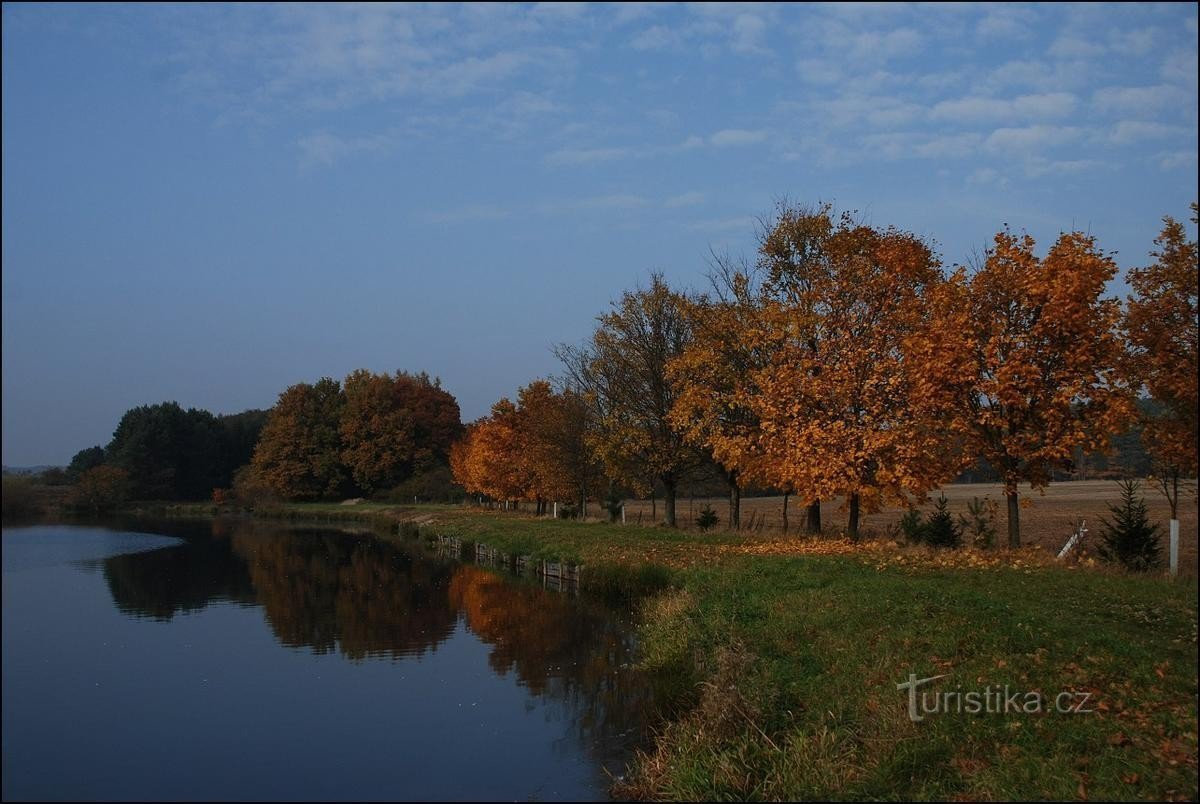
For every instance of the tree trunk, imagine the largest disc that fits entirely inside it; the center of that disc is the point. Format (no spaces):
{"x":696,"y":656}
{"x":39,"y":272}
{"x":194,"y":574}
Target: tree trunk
{"x":653,"y":506}
{"x":669,"y":502}
{"x":813,"y":525}
{"x":735,"y":502}
{"x":785,"y":522}
{"x":1014,"y":520}
{"x":852,"y":528}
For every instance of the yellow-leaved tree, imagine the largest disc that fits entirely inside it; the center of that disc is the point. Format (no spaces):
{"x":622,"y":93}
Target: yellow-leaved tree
{"x":1161,"y":332}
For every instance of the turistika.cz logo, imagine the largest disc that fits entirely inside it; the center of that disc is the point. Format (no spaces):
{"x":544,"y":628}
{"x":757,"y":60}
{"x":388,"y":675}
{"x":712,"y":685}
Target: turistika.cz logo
{"x":987,"y":701}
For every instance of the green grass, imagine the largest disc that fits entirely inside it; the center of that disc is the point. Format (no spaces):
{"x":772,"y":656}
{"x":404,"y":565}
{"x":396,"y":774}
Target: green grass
{"x":800,"y":697}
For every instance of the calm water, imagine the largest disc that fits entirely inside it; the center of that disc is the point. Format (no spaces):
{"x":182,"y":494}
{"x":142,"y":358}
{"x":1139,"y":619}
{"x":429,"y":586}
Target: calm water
{"x":239,"y":660}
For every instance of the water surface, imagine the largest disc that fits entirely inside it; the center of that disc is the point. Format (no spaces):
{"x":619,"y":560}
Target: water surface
{"x":237,"y":660}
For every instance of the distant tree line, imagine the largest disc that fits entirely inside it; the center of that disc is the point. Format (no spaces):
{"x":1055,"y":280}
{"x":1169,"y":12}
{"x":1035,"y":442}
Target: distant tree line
{"x":372,"y":434}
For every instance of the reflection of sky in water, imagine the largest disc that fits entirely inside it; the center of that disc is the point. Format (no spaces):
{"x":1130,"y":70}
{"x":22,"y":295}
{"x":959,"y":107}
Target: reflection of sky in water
{"x":311,"y":666}
{"x":49,"y":545}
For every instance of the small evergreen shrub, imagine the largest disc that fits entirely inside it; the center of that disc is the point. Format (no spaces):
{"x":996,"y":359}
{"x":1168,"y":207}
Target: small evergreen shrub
{"x":936,"y":530}
{"x":979,"y":523}
{"x":912,"y":527}
{"x":940,"y":529}
{"x":1130,"y":539}
{"x":613,"y":504}
{"x":707,"y":518}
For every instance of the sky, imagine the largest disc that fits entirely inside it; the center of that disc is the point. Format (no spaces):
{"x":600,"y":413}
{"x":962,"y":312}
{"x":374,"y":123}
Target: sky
{"x":209,"y":203}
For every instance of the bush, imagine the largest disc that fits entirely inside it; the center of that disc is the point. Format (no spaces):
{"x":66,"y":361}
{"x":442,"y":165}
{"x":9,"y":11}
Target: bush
{"x":101,"y":488}
{"x":978,"y":525}
{"x":613,"y":504}
{"x":250,"y":490}
{"x":19,"y":499}
{"x":1130,"y":539}
{"x":936,"y":530}
{"x":940,"y":527}
{"x":707,"y":518}
{"x":435,"y":484}
{"x":911,"y":526}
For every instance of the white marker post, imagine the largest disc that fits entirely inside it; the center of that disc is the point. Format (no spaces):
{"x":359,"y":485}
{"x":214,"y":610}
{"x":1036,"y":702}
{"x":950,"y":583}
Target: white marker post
{"x":1174,"y":547}
{"x":622,"y":513}
{"x":556,"y":509}
{"x":1074,"y":540}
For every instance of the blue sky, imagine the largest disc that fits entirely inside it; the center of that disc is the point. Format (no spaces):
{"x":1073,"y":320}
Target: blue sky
{"x":208,"y":204}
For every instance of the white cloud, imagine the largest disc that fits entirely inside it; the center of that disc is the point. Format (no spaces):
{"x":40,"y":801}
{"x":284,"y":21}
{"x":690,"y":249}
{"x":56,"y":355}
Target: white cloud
{"x":1135,"y":42}
{"x":736,"y":136}
{"x":748,"y":33}
{"x":743,"y":223}
{"x":1139,"y":100}
{"x":324,"y":148}
{"x":613,"y":201}
{"x":1037,"y":166}
{"x":1076,"y":47}
{"x":1174,"y":160}
{"x":469,"y":214}
{"x":1026,"y":107}
{"x":657,"y":37}
{"x":1031,"y":138}
{"x":684,"y":200}
{"x":584,"y":156}
{"x":1007,"y":22}
{"x":1130,"y":131}
{"x":819,"y":71}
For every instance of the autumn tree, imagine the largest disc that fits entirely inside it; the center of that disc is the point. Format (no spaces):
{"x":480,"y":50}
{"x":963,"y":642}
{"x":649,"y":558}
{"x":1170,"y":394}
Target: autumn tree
{"x":1161,"y":331}
{"x":395,"y":427}
{"x":623,"y":371}
{"x":1032,"y":347}
{"x":835,"y":399}
{"x":488,"y":460}
{"x":714,"y":375}
{"x":299,"y":452}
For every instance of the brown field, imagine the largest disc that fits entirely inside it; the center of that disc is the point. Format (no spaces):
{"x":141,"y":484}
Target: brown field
{"x":1047,"y":519}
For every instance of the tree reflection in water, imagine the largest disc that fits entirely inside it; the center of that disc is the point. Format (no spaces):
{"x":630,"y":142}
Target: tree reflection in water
{"x":367,"y":597}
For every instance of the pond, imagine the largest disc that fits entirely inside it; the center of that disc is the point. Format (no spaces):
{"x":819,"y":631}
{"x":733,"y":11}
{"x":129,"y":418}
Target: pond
{"x":243,"y":660}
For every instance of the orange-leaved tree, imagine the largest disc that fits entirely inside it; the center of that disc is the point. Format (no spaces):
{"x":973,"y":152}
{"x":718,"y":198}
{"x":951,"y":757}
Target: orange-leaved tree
{"x":1033,"y":348}
{"x":488,"y":460}
{"x":554,"y":456}
{"x":714,"y":375}
{"x":836,"y":404}
{"x":1161,"y":332}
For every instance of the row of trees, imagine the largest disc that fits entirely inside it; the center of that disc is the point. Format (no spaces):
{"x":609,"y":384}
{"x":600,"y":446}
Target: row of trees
{"x":535,"y":449}
{"x":368,"y":434}
{"x":844,"y":362}
{"x":165,"y":452}
{"x":319,"y":441}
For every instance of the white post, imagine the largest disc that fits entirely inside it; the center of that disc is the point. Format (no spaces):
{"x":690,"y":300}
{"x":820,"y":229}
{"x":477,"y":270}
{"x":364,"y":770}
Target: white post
{"x":556,"y":509}
{"x":1174,"y":547}
{"x":622,"y":513}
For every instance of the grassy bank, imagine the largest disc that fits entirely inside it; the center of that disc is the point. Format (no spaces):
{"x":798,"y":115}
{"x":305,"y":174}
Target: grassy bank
{"x":793,"y":651}
{"x":790,"y":652}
